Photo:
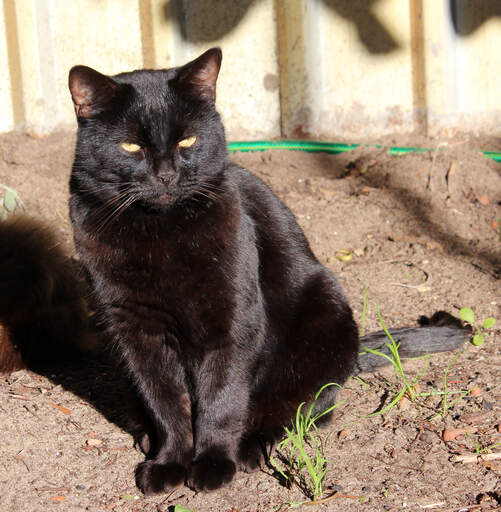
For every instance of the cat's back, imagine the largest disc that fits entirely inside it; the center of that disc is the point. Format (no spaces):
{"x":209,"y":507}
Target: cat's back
{"x":287,"y":265}
{"x":273,"y":219}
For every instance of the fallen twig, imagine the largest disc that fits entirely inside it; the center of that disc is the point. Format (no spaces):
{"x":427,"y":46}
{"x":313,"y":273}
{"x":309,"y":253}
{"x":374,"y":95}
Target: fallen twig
{"x":433,"y":505}
{"x":475,"y":459}
{"x":335,"y":494}
{"x":19,"y":397}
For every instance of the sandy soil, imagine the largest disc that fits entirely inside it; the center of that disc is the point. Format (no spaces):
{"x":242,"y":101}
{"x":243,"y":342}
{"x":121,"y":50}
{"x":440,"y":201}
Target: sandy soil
{"x":421,"y":231}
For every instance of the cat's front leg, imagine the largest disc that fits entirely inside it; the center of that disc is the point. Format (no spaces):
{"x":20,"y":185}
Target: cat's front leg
{"x":159,"y":378}
{"x":223,"y":396}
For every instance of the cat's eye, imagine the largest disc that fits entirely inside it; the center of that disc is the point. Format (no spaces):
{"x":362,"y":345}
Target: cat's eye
{"x":130,"y":147}
{"x":188,"y":142}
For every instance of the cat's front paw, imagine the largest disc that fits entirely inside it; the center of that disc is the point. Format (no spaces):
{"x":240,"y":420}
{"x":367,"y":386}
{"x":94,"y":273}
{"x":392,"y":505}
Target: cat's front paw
{"x":154,"y":478}
{"x":211,"y":470}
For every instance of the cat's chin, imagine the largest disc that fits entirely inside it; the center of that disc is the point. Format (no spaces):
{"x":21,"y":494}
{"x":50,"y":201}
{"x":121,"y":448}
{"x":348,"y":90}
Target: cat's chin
{"x":158,"y":203}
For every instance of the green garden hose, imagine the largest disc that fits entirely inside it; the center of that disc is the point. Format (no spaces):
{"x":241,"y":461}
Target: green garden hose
{"x":329,"y":147}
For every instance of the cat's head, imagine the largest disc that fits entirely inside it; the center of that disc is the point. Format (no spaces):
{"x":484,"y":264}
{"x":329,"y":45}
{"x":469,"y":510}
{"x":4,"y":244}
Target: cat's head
{"x":152,"y":138}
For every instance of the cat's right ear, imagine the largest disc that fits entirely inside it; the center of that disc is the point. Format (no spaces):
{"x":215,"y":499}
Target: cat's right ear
{"x":90,"y":90}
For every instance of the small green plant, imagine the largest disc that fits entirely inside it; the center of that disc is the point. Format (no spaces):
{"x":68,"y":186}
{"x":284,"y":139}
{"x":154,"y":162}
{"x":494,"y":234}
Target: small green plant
{"x":480,"y":451}
{"x":446,"y":405}
{"x":9,"y":201}
{"x":180,"y":508}
{"x":479,"y":331}
{"x":303,"y":450}
{"x":408,"y":388}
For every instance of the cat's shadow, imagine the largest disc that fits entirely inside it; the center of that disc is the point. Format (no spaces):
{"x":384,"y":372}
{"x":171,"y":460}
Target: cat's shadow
{"x":98,"y":380}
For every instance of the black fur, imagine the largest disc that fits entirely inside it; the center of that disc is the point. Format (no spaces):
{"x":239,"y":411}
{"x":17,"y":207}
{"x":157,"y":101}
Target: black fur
{"x":43,"y":312}
{"x":207,"y":286}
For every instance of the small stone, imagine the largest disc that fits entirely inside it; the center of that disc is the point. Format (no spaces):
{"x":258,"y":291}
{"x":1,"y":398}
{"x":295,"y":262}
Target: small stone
{"x":474,"y":417}
{"x":476,"y":391}
{"x":93,"y":442}
{"x":343,"y":434}
{"x":427,"y":436}
{"x":404,"y":403}
{"x":488,"y":406}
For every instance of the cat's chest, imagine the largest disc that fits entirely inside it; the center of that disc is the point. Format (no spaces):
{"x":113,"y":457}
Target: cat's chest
{"x":162,"y":255}
{"x":151,"y":280}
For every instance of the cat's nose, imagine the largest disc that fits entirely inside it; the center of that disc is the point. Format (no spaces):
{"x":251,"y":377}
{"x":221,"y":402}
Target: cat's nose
{"x":166,"y":179}
{"x":165,"y":173}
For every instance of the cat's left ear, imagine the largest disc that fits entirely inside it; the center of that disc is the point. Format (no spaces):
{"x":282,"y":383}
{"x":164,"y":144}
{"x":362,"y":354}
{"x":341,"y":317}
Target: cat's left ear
{"x":200,"y":75}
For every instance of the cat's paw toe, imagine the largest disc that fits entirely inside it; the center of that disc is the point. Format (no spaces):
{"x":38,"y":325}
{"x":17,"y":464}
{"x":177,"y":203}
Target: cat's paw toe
{"x":211,"y":471}
{"x":142,"y":442}
{"x":154,"y":478}
{"x":251,"y":454}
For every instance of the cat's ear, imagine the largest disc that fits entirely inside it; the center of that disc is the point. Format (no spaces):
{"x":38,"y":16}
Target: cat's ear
{"x":90,"y":90}
{"x":200,"y":75}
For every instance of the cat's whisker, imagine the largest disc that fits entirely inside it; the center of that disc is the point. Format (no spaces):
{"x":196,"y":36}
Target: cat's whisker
{"x":110,"y":203}
{"x":113,"y":216}
{"x":207,"y":194}
{"x":125,"y":205}
{"x":104,"y":220}
{"x":213,"y":187}
{"x":106,"y":186}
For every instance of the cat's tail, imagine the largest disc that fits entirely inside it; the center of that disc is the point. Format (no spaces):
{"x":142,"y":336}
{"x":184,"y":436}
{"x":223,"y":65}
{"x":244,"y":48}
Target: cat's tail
{"x":440,"y":333}
{"x":43,"y":312}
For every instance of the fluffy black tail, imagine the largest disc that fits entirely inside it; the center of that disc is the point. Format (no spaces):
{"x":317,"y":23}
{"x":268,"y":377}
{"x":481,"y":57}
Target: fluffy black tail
{"x":43,"y":312}
{"x":440,"y":333}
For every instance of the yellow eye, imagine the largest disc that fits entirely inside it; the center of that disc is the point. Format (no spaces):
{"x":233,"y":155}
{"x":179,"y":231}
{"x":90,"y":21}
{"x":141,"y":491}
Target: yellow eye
{"x":130,"y":147}
{"x":188,"y":142}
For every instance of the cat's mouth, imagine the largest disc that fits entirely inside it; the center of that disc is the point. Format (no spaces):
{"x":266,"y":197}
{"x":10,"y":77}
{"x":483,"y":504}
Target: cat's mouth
{"x":158,"y":199}
{"x":164,"y":196}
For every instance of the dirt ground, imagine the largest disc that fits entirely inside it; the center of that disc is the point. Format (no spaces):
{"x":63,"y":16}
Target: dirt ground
{"x":421,"y":231}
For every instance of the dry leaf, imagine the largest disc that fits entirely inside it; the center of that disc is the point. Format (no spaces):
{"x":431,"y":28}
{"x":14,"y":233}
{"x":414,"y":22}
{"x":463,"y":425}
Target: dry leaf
{"x":61,"y":408}
{"x":344,"y":255}
{"x":449,"y":434}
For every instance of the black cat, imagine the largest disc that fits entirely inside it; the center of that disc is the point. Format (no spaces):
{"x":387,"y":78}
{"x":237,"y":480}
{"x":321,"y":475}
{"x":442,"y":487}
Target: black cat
{"x":223,"y":317}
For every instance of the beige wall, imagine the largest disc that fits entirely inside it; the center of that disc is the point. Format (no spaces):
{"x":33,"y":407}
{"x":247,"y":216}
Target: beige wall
{"x":326,"y":68}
